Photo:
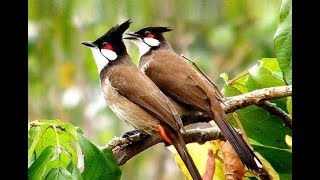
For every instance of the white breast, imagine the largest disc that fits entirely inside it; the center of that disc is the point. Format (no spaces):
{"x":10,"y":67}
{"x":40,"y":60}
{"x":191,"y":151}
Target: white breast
{"x":127,"y":110}
{"x":100,"y":60}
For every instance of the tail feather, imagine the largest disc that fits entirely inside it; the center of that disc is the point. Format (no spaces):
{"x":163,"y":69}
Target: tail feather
{"x":179,"y":144}
{"x":187,"y":159}
{"x":247,"y":156}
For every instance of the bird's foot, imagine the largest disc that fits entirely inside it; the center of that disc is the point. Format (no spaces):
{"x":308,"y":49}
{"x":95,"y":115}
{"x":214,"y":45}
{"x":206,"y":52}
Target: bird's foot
{"x":133,"y":136}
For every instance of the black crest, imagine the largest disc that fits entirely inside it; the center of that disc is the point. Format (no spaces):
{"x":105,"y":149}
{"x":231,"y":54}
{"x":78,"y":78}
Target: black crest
{"x":155,"y":30}
{"x":114,"y":34}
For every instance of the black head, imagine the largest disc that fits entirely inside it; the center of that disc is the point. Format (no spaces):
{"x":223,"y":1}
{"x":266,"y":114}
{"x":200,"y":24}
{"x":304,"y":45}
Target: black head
{"x":111,"y":40}
{"x":150,"y":32}
{"x":109,"y":47}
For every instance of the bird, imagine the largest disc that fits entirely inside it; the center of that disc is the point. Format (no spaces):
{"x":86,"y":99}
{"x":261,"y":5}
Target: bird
{"x":133,"y":97}
{"x":186,"y":85}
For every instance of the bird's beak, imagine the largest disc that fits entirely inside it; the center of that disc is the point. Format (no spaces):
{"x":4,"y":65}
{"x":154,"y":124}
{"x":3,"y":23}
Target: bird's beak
{"x":132,"y":36}
{"x":89,"y":44}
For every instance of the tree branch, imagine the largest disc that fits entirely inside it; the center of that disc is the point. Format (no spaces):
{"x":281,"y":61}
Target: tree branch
{"x":273,"y":109}
{"x":255,"y":97}
{"x":126,"y":148}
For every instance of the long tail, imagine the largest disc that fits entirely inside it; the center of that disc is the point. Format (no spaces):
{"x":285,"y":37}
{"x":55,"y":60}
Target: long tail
{"x":248,"y":158}
{"x":179,"y":144}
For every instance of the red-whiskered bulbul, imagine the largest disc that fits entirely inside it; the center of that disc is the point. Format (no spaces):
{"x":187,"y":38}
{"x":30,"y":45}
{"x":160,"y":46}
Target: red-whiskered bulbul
{"x":180,"y":81}
{"x":133,"y":97}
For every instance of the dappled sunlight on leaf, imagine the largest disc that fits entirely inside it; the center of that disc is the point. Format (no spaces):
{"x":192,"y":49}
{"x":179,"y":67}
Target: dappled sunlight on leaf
{"x":289,"y":141}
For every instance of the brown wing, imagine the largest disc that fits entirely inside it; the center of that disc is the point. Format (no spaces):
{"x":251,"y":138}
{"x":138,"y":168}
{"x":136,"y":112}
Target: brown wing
{"x":215,"y":89}
{"x":183,"y":83}
{"x":135,"y":86}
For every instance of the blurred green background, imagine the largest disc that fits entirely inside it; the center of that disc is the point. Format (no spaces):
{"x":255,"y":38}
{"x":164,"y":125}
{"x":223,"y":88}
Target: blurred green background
{"x":220,"y":36}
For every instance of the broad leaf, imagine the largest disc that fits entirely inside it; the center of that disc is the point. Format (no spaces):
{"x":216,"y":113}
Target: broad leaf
{"x":280,"y":159}
{"x":55,"y":143}
{"x":268,"y":167}
{"x":58,"y":173}
{"x":283,"y":40}
{"x":97,"y":164}
{"x":75,"y":173}
{"x":49,"y":133}
{"x":267,"y":131}
{"x":38,"y":169}
{"x":266,"y":73}
{"x":35,"y":136}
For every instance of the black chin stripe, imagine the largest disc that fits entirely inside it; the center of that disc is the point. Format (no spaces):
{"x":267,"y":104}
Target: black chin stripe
{"x":103,"y":55}
{"x":147,"y":44}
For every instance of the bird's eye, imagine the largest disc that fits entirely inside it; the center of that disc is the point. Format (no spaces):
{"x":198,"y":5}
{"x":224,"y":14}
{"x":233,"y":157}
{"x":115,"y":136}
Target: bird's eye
{"x":107,"y":46}
{"x":148,"y":34}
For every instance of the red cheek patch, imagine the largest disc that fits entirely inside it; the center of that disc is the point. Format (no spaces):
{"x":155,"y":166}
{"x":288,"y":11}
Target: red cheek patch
{"x":108,"y":46}
{"x":150,"y":36}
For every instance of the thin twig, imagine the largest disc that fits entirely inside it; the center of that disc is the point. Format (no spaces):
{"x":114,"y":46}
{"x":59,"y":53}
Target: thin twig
{"x":244,"y":135}
{"x":273,"y":109}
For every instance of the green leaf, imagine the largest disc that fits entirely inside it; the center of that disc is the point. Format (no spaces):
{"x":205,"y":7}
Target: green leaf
{"x":234,"y":86}
{"x":268,"y":130}
{"x":265,"y":73}
{"x":50,"y":122}
{"x":45,"y":133}
{"x":66,"y":141}
{"x":225,"y":77}
{"x":35,"y":137}
{"x":110,"y":157}
{"x":281,"y":160}
{"x":98,"y":164}
{"x":58,"y":173}
{"x":33,"y":158}
{"x":263,"y":127}
{"x":75,"y":173}
{"x":38,"y":169}
{"x":283,"y":40}
{"x":230,"y":91}
{"x":63,"y":137}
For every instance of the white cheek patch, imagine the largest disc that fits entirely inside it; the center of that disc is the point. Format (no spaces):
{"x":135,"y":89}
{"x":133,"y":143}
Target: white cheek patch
{"x":100,"y":60}
{"x":111,"y":55}
{"x":151,"y":41}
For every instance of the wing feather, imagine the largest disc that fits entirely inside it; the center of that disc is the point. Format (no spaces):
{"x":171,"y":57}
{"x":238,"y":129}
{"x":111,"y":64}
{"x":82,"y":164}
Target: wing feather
{"x":138,"y":88}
